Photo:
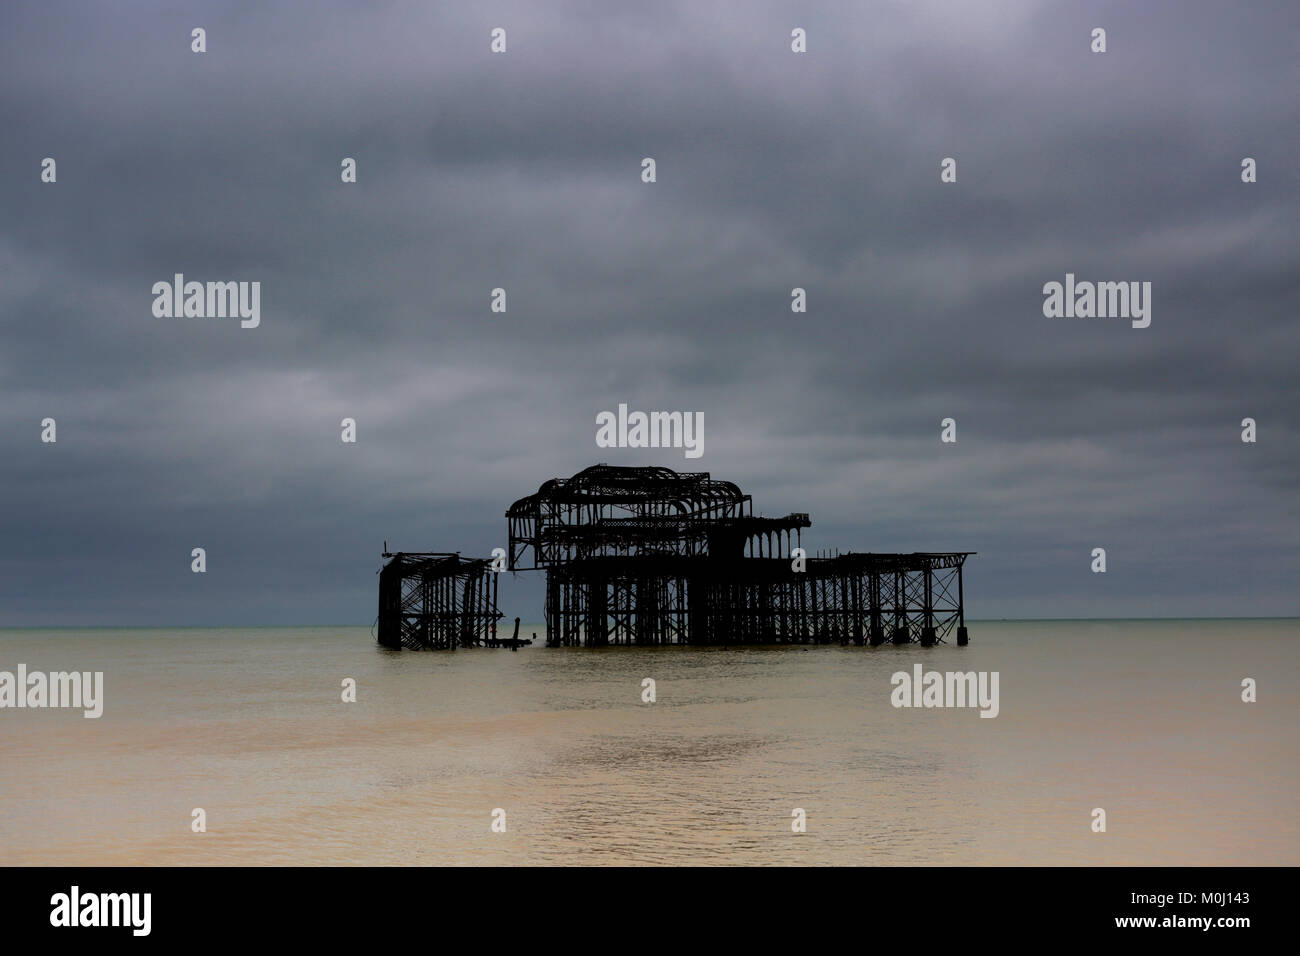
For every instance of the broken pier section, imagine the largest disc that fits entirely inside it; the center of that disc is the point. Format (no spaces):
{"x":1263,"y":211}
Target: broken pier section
{"x":647,"y":556}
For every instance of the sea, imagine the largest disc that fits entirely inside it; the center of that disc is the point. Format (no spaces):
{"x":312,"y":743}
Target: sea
{"x":762,"y":756}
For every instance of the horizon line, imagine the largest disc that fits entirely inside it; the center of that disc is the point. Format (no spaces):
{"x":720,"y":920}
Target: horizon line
{"x":989,"y":620}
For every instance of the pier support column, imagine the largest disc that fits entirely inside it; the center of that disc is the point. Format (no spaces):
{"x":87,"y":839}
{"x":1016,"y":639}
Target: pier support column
{"x":390,"y":606}
{"x":554,"y":628}
{"x":900,"y":635}
{"x":597,"y":613}
{"x":962,"y":637}
{"x":927,"y":627}
{"x":875,"y":631}
{"x":855,"y":590}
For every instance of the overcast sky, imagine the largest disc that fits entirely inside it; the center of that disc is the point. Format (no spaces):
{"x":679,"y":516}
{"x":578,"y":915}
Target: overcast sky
{"x":522,"y":170}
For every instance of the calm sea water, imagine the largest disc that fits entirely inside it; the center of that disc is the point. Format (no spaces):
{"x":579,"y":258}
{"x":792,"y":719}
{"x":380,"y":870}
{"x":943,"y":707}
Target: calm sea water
{"x":1143,"y":719}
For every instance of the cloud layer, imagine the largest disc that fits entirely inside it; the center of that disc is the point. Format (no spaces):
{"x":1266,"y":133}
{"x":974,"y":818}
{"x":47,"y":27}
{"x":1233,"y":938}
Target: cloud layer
{"x":522,"y":171}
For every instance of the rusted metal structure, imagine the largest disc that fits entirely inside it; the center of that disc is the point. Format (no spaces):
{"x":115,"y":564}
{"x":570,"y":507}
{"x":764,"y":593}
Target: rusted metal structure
{"x":652,"y":556}
{"x":437,"y":601}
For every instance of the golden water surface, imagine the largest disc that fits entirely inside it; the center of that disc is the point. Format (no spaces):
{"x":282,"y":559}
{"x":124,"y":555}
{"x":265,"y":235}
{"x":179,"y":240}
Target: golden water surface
{"x":1143,"y":719}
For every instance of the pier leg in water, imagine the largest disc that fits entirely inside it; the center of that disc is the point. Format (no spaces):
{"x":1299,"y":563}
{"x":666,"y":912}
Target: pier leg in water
{"x":962,"y":636}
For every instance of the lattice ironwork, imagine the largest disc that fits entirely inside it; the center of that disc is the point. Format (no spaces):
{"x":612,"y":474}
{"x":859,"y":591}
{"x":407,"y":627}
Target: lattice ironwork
{"x":651,"y":556}
{"x":433,"y":600}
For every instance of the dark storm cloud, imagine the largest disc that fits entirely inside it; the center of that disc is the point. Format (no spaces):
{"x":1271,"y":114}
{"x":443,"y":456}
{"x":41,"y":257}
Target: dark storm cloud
{"x":522,"y":171}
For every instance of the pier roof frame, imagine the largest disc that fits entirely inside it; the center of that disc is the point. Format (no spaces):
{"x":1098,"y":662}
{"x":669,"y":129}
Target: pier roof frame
{"x":611,"y":509}
{"x":628,"y":485}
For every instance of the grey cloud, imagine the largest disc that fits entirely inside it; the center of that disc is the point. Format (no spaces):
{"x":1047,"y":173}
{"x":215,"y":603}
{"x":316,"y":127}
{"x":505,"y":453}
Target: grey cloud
{"x":521,"y":171}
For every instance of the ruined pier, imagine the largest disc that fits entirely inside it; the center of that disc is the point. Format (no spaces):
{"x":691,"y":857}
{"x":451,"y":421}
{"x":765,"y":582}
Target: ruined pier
{"x":436,"y":601}
{"x":649,"y":556}
{"x":653,"y":556}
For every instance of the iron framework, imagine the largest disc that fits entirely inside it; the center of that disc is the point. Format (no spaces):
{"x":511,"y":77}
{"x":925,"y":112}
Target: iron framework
{"x":651,"y":556}
{"x":433,"y":600}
